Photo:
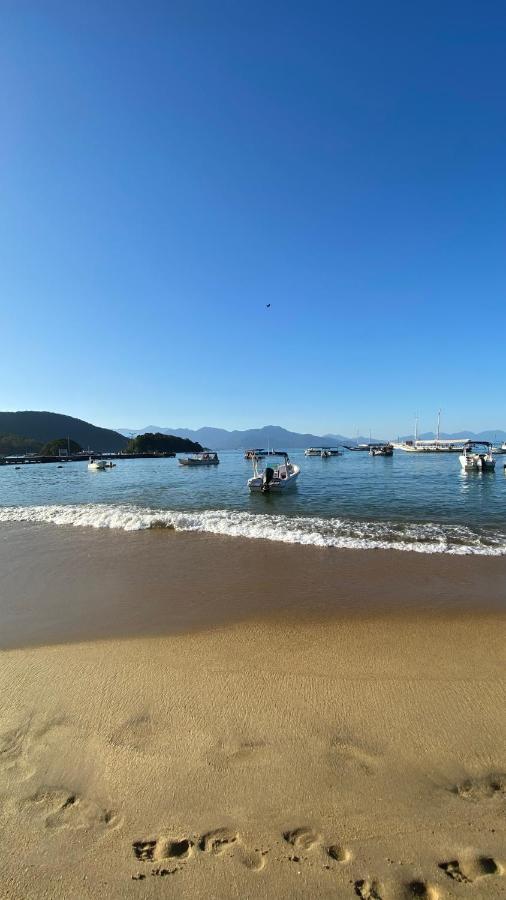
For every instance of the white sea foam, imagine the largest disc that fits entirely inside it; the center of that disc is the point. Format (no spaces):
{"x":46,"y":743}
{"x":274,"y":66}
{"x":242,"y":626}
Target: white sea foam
{"x":314,"y":531}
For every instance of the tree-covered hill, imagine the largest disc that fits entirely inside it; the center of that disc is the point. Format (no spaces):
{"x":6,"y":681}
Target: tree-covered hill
{"x":161,"y":443}
{"x":17,"y":445}
{"x":52,"y":448}
{"x":47,"y":426}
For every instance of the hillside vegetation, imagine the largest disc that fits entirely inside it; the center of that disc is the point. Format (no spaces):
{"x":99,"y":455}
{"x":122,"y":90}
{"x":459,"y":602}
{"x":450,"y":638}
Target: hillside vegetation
{"x":161,"y":443}
{"x":16,"y":445}
{"x":47,"y":426}
{"x":52,"y":448}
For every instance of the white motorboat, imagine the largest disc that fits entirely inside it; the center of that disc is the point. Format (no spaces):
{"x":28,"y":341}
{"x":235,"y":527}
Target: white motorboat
{"x":279,"y":478}
{"x":473,"y":460}
{"x":381,"y":450}
{"x":97,"y":465}
{"x":207,"y":458}
{"x":323,"y":452}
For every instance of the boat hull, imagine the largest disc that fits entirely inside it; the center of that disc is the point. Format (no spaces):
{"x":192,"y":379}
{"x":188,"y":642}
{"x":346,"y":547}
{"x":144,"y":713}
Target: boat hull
{"x":277,"y":485}
{"x":199,"y":462}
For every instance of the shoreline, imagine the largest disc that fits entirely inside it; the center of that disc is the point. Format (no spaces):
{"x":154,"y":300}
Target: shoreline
{"x":69,"y":585}
{"x":423,"y":536}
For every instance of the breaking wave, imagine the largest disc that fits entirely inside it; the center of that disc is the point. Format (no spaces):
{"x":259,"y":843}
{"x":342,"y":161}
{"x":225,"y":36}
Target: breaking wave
{"x":427,"y":537}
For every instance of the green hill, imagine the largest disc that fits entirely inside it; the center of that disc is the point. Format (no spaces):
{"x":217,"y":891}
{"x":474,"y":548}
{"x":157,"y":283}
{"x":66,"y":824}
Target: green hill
{"x":161,"y":443}
{"x":48,"y":426}
{"x":16,"y":445}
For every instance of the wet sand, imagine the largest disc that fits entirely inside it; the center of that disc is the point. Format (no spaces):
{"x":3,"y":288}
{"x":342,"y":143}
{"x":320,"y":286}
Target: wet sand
{"x":59,"y":585}
{"x":286,"y":722}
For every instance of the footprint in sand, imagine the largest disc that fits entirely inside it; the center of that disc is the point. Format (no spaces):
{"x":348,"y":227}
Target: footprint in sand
{"x":484,"y":788}
{"x":135,"y":734}
{"x":302,"y":839}
{"x":422,"y":889}
{"x":14,"y":745}
{"x":60,"y":808}
{"x":472,"y":869}
{"x":348,"y":753}
{"x":218,"y":841}
{"x":22,"y":744}
{"x":339,"y":853}
{"x":369,"y":890}
{"x":235,"y":753}
{"x":162,"y":848}
{"x":254,"y":860}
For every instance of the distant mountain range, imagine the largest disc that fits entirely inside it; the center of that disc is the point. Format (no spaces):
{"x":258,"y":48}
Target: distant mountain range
{"x":274,"y":436}
{"x":47,"y":426}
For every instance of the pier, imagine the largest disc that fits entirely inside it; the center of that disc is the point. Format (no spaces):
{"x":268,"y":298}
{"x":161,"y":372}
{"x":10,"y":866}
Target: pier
{"x":35,"y":459}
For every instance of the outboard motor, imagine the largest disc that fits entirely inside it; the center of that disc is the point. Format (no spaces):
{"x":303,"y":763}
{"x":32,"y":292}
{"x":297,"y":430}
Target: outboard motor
{"x":266,"y":479}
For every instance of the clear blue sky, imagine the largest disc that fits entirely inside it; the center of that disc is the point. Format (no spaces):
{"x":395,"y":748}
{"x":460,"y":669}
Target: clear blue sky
{"x":169,"y":168}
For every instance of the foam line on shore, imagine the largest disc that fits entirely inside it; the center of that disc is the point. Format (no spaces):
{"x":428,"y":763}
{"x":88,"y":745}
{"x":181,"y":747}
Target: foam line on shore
{"x":337,"y":533}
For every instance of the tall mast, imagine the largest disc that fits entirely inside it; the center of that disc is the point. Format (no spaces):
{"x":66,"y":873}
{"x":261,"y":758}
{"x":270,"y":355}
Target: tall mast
{"x":438,"y":423}
{"x":416,"y":427}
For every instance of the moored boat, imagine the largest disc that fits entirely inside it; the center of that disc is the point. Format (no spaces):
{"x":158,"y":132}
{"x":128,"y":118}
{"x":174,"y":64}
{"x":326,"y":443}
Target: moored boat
{"x":97,"y":465}
{"x":381,"y":450}
{"x":280,"y":478}
{"x":473,"y":460}
{"x":207,"y":458}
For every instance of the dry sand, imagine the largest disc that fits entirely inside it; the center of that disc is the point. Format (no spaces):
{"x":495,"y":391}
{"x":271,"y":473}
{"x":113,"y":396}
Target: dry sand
{"x":292,"y":755}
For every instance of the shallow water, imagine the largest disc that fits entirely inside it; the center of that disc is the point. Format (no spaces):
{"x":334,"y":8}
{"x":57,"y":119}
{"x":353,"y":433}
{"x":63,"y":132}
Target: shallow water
{"x":408,"y":502}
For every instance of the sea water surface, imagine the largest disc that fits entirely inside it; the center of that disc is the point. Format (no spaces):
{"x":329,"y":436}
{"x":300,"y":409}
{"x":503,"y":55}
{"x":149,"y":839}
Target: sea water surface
{"x":421,"y":503}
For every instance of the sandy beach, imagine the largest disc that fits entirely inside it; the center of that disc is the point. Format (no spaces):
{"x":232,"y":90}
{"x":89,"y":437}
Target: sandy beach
{"x":201,"y":717}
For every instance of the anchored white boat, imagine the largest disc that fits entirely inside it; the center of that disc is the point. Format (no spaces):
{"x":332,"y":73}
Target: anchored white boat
{"x":279,"y":478}
{"x":207,"y":458}
{"x":381,"y":450}
{"x":323,"y":452}
{"x":473,"y":460}
{"x":97,"y":464}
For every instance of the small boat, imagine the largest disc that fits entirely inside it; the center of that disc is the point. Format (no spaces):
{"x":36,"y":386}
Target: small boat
{"x":97,"y":464}
{"x":359,"y":447}
{"x":207,"y":458}
{"x":381,"y":450}
{"x":268,"y":480}
{"x":473,"y":460}
{"x":249,"y":454}
{"x":323,"y":452}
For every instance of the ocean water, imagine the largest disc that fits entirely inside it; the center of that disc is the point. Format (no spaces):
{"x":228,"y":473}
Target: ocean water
{"x":420,"y":503}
